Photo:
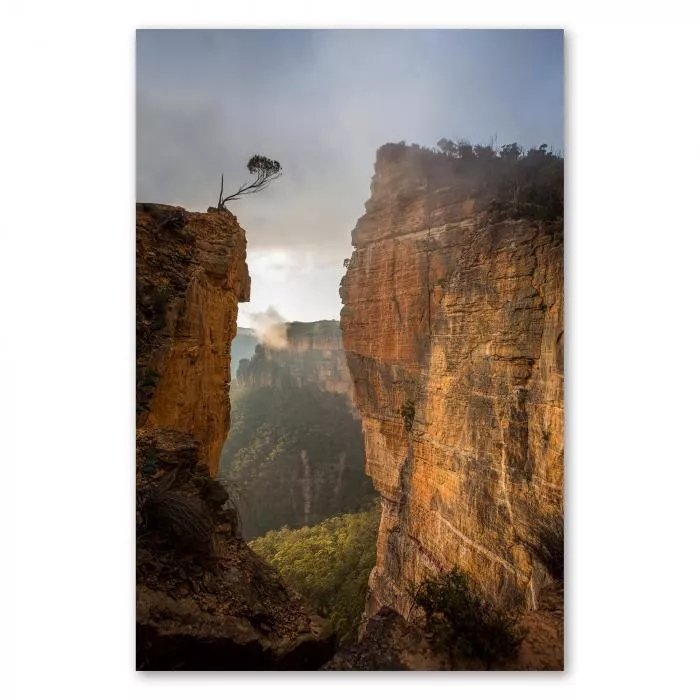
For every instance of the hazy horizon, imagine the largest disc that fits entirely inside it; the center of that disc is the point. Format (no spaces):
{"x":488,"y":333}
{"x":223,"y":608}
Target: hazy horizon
{"x":322,"y":102}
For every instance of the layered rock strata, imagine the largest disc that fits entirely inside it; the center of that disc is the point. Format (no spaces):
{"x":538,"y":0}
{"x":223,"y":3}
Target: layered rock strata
{"x":191,"y":274}
{"x":453,"y":329}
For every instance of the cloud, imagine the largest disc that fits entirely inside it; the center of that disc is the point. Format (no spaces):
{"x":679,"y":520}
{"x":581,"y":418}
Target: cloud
{"x":270,"y":327}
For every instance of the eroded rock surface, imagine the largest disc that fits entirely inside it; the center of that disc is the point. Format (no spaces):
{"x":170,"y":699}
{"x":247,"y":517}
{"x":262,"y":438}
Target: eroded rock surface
{"x":390,"y":643}
{"x":453,"y":329}
{"x":204,"y":599}
{"x":190,"y":275}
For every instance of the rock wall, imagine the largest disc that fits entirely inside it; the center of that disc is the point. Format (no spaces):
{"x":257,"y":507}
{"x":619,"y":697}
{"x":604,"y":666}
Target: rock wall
{"x":191,"y":274}
{"x":453,"y":329}
{"x":204,"y":599}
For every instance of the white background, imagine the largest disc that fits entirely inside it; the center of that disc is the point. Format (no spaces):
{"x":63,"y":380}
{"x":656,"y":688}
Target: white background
{"x":67,"y":348}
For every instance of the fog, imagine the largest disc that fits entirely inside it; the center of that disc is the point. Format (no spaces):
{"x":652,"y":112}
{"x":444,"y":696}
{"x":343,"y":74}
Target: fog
{"x":270,"y":328}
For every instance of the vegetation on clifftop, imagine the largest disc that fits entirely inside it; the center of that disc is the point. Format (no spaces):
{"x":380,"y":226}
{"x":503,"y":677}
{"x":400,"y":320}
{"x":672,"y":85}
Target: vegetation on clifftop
{"x":265,"y":170}
{"x":511,"y":181}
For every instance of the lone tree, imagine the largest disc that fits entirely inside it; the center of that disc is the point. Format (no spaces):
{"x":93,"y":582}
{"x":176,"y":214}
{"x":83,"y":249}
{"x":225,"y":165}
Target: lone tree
{"x":265,"y":170}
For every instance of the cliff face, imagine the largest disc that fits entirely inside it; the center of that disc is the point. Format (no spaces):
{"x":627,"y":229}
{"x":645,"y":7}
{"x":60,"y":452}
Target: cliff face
{"x":453,"y":328}
{"x":204,"y":600}
{"x":191,"y":274}
{"x":312,"y":353}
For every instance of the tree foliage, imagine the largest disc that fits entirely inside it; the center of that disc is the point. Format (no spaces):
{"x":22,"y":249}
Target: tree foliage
{"x":509,"y":182}
{"x":463,"y":622}
{"x":271,"y":426}
{"x":265,"y":171}
{"x":329,"y":564}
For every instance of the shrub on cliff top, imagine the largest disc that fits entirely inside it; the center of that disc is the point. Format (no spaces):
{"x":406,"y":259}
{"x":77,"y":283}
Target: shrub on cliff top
{"x":265,"y":170}
{"x":463,"y":622}
{"x":510,"y":181}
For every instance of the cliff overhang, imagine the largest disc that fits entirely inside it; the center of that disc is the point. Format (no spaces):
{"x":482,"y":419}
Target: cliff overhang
{"x":204,"y":600}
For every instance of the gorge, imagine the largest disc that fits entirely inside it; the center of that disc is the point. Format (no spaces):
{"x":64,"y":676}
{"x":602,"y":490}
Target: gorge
{"x":447,"y":370}
{"x":294,"y":453}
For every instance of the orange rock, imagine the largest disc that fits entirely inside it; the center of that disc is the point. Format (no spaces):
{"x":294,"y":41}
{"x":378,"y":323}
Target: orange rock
{"x":192,"y":265}
{"x":204,"y":599}
{"x":461,"y":315}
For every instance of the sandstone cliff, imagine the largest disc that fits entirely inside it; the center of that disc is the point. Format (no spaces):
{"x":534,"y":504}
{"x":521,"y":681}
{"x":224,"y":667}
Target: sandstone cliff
{"x":191,"y":274}
{"x":204,"y":600}
{"x":453,"y":328}
{"x":312,"y":353}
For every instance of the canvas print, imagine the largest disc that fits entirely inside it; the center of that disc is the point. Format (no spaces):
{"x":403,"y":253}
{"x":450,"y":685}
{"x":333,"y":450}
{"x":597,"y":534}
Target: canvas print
{"x":349,"y":349}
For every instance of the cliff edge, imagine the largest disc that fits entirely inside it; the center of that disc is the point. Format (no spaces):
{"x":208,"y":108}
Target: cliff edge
{"x":204,"y":600}
{"x":190,"y":275}
{"x":453,"y":329}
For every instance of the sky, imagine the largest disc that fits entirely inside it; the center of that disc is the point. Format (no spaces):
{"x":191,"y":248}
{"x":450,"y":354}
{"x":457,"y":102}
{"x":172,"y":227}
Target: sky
{"x":322,"y":102}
